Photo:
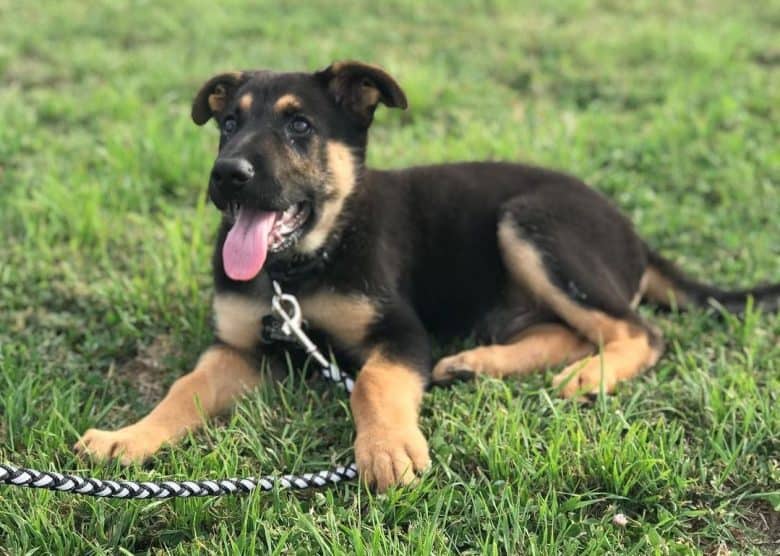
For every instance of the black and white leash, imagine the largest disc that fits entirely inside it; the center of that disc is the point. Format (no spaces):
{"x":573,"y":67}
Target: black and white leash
{"x":287,"y":308}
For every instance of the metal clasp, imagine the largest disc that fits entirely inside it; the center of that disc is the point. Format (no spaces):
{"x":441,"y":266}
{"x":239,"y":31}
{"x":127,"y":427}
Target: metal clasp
{"x":293,"y":326}
{"x":293,"y":322}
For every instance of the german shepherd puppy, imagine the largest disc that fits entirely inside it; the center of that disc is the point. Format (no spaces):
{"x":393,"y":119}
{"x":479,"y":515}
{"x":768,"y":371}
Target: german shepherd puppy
{"x":541,"y":267}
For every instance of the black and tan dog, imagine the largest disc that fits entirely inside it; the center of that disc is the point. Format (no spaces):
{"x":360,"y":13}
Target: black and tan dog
{"x":539,"y":265}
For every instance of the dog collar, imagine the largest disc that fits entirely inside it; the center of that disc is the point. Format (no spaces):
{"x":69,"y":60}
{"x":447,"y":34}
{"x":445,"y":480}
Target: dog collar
{"x":298,"y":267}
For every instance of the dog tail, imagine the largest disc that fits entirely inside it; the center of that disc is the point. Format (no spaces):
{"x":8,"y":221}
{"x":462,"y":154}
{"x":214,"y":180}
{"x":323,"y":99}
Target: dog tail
{"x":667,"y":285}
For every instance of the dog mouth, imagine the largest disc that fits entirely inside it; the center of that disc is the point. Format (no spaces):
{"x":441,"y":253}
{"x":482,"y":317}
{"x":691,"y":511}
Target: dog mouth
{"x":287,"y":227}
{"x":256,"y":232}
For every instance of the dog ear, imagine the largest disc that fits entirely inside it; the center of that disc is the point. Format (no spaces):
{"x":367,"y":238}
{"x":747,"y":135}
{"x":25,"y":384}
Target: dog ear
{"x":359,"y":87}
{"x":214,"y":95}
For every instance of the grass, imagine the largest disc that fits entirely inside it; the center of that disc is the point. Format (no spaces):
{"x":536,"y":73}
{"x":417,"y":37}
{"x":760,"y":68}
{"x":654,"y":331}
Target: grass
{"x":671,"y":108}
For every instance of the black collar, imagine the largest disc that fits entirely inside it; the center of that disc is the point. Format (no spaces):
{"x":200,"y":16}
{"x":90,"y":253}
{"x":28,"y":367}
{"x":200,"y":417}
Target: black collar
{"x":299,"y":267}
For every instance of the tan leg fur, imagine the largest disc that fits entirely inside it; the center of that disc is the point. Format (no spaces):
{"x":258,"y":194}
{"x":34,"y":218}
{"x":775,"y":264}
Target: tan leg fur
{"x":628,"y":348}
{"x":627,"y":351}
{"x":220,"y":376}
{"x":537,"y":348}
{"x":389,"y":447}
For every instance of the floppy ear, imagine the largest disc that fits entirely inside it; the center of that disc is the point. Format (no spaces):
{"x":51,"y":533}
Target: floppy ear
{"x":214,"y":94}
{"x":359,"y":87}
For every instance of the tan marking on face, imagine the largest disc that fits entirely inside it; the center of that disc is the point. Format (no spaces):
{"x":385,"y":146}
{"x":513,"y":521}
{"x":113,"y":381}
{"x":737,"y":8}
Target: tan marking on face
{"x":389,"y":447}
{"x":290,"y":166}
{"x":287,"y":103}
{"x":238,"y":319}
{"x":245,"y":102}
{"x":340,"y":184}
{"x":344,"y":317}
{"x":627,"y":347}
{"x":660,"y":289}
{"x":539,"y":347}
{"x":220,"y":376}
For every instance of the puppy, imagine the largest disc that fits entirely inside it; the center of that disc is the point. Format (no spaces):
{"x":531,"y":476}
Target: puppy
{"x":544,"y":269}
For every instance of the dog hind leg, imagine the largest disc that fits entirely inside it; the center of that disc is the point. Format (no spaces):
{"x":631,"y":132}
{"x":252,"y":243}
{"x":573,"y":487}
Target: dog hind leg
{"x":539,"y":347}
{"x":538,"y":264}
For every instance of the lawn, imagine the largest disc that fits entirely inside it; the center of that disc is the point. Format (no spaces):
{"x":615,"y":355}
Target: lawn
{"x":672,"y":108}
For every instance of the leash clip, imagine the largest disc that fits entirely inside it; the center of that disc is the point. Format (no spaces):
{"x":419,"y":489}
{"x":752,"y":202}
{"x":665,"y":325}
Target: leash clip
{"x":286,"y":306}
{"x":293,"y":320}
{"x":293,"y":327}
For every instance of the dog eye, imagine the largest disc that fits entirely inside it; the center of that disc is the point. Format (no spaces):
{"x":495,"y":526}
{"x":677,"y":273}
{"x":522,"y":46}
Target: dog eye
{"x":299,"y":126}
{"x":229,"y":125}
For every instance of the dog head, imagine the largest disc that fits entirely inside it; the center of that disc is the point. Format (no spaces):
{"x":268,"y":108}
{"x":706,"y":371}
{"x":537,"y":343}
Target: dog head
{"x":291,"y":150}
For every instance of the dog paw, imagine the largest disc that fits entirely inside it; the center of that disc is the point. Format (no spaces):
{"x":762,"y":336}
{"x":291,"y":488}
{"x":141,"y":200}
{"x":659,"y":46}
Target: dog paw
{"x":453,"y":368}
{"x":386,"y":457}
{"x":585,"y":379}
{"x":128,"y":445}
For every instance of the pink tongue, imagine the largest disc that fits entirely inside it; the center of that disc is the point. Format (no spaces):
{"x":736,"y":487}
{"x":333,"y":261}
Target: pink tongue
{"x":246,"y":245}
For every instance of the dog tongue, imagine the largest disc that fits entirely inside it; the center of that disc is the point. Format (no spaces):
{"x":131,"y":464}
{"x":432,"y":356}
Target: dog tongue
{"x":246,"y":245}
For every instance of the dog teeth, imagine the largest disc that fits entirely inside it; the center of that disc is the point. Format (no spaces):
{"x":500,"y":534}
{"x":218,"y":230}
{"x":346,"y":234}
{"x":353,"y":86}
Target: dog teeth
{"x":291,"y":212}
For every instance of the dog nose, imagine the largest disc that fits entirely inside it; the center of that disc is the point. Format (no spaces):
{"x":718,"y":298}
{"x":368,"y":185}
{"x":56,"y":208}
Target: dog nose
{"x":232,"y":173}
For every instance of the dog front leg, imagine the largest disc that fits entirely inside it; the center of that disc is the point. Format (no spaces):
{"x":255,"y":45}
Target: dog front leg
{"x":221,"y":375}
{"x":389,"y":446}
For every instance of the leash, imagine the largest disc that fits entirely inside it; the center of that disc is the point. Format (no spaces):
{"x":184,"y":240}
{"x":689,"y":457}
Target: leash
{"x":287,"y":308}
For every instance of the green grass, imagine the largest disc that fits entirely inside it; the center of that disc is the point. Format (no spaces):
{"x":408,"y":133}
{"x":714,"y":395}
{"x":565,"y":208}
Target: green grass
{"x":671,"y":108}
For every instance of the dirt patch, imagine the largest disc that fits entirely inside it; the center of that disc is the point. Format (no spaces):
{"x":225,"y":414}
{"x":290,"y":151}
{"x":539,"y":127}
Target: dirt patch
{"x":769,"y":524}
{"x":148,"y":371}
{"x":765,"y":521}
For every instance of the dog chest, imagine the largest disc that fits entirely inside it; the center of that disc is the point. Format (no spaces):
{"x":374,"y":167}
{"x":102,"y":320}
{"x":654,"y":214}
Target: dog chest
{"x":346,"y":318}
